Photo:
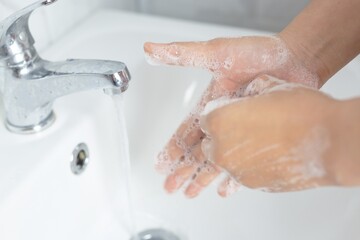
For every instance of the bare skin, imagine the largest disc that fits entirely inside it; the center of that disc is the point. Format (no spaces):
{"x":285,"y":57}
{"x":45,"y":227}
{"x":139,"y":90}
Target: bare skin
{"x":264,"y":142}
{"x":325,"y":35}
{"x":309,"y":51}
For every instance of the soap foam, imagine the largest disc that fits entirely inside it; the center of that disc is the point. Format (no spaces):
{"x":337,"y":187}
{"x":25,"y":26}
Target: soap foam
{"x":310,"y":153}
{"x":229,"y":187}
{"x":165,"y":164}
{"x":267,"y":84}
{"x":228,"y":63}
{"x":152,"y":60}
{"x":218,"y":103}
{"x":304,"y":163}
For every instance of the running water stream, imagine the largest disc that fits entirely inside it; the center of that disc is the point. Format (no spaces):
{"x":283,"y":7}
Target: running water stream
{"x":128,"y":214}
{"x":125,"y":165}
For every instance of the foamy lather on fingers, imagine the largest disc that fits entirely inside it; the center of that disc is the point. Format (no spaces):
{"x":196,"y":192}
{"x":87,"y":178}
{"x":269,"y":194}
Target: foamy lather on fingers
{"x":165,"y":163}
{"x":178,"y":55}
{"x":261,"y":85}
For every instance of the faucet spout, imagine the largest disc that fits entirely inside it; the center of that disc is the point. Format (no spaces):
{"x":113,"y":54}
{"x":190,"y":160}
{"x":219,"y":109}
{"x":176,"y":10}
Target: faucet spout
{"x":80,"y":75}
{"x":28,"y":100}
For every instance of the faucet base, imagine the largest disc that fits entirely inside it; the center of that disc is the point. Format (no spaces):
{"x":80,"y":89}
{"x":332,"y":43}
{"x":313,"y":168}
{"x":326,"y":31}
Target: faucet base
{"x":47,"y":122}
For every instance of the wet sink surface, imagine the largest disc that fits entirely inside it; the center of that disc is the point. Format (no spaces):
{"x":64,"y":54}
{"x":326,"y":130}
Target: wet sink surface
{"x":41,"y":199}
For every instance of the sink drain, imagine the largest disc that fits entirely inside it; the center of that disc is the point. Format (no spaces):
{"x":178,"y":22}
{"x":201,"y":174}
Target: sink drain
{"x":80,"y":159}
{"x":155,"y":234}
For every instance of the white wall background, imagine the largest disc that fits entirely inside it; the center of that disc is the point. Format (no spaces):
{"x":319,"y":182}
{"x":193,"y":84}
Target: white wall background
{"x":270,"y":15}
{"x":52,"y":22}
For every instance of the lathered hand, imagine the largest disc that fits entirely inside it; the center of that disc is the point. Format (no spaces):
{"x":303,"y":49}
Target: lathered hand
{"x":285,"y":138}
{"x":234,"y":63}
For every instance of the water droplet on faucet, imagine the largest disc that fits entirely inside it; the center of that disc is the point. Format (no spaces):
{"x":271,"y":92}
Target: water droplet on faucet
{"x":10,"y":40}
{"x":22,"y":36}
{"x":48,"y":2}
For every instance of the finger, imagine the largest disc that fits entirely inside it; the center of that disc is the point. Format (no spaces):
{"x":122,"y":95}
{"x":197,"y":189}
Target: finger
{"x":201,"y":179}
{"x":176,"y":180}
{"x":184,"y":170}
{"x":177,"y":153}
{"x":205,"y":173}
{"x":228,"y":187}
{"x":189,"y":133}
{"x":194,"y":54}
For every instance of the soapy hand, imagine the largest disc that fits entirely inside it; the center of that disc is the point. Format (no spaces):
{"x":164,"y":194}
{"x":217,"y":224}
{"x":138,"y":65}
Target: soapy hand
{"x":234,"y":63}
{"x":279,"y":140}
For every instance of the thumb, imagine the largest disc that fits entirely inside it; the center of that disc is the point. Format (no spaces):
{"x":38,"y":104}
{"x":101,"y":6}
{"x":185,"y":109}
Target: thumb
{"x":261,"y":85}
{"x":193,"y":54}
{"x":209,"y":118}
{"x":266,"y":84}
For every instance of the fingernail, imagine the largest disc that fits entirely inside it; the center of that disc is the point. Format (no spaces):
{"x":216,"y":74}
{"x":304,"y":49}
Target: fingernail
{"x":153,"y":48}
{"x":173,"y":183}
{"x":148,"y":47}
{"x":192,"y":191}
{"x":152,"y":57}
{"x":206,"y":147}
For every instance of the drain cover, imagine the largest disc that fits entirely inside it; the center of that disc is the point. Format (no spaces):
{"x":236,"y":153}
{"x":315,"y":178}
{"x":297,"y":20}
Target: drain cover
{"x":79,"y":159}
{"x":155,"y":234}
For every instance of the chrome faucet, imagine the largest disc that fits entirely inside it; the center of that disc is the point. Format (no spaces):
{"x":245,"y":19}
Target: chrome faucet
{"x":30,"y":84}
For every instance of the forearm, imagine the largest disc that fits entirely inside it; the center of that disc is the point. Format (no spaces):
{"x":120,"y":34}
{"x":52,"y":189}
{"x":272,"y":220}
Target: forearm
{"x":325,"y":36}
{"x":345,"y":148}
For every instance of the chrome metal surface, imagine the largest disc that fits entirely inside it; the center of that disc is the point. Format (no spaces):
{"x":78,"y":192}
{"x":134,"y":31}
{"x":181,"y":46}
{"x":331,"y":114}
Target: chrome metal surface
{"x":48,"y":2}
{"x":44,"y":124}
{"x":30,"y":84}
{"x":80,"y":159}
{"x":155,"y":234}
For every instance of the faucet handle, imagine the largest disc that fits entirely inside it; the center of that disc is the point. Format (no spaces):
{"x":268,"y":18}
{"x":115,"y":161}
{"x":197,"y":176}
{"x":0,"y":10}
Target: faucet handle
{"x":15,"y":36}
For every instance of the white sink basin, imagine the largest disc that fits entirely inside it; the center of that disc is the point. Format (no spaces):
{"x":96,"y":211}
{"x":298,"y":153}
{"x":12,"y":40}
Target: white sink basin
{"x":41,"y":199}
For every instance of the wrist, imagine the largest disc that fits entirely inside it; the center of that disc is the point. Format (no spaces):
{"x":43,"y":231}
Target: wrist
{"x":325,"y":36}
{"x":306,"y":55}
